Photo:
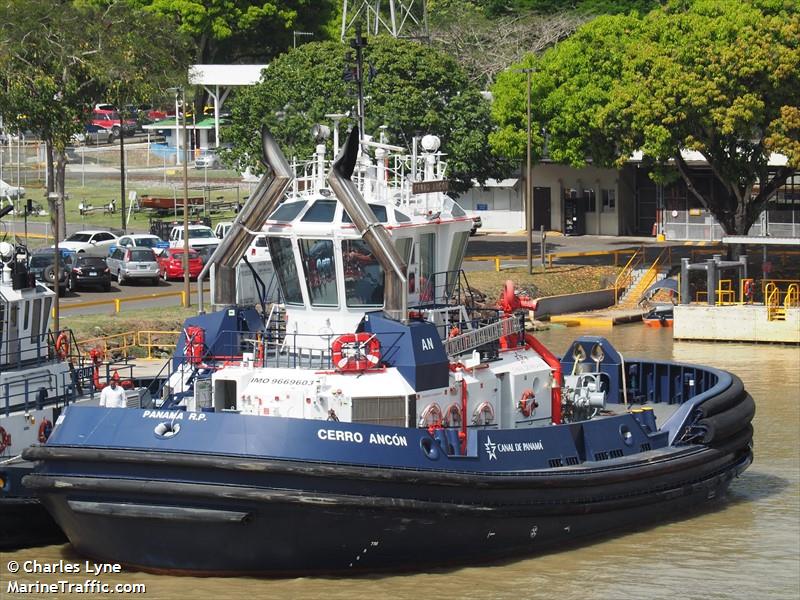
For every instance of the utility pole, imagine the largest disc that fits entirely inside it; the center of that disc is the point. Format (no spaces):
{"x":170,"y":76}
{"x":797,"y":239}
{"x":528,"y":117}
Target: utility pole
{"x":359,"y":43}
{"x":186,"y":288}
{"x":528,"y":176}
{"x":181,"y":94}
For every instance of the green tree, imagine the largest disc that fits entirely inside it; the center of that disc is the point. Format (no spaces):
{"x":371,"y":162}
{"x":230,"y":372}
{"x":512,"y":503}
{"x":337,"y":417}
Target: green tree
{"x":58,"y":59}
{"x":414,"y":90}
{"x":720,"y":78}
{"x":241,"y":30}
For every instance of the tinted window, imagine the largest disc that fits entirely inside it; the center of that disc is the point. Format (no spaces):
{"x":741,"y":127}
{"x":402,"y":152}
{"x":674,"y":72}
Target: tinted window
{"x":41,"y":260}
{"x":378,"y":209}
{"x":79,"y":237}
{"x":142,"y":255}
{"x":103,"y":237}
{"x":287,"y":211}
{"x":91,"y":261}
{"x":283,"y":260}
{"x":201,"y":233}
{"x":320,"y":212}
{"x":147,"y":242}
{"x":261,"y":242}
{"x":363,"y":275}
{"x":320,"y":272}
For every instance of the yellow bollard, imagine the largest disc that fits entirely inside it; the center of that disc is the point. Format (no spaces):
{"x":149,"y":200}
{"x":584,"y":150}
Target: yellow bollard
{"x":497,"y":264}
{"x":183,"y":299}
{"x":117,"y":304}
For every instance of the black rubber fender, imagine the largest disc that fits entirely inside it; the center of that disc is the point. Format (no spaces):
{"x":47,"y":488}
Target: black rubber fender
{"x":723,"y":401}
{"x":725,"y":424}
{"x":737,"y":442}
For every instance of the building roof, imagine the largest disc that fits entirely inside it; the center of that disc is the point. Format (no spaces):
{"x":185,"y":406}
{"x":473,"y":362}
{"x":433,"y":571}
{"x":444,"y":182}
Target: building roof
{"x":207,"y":123}
{"x":693,"y":157}
{"x":225,"y":74}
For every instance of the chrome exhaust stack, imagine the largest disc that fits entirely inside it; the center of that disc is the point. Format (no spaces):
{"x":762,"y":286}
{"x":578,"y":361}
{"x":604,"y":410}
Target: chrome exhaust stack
{"x":251,"y":217}
{"x":374,"y":234}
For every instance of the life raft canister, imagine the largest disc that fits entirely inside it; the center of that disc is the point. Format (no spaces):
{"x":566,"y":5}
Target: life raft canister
{"x":356,"y":352}
{"x":195,"y":344}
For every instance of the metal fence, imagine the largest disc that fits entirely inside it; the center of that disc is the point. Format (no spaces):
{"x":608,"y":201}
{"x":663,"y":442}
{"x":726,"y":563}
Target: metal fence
{"x":700,"y":225}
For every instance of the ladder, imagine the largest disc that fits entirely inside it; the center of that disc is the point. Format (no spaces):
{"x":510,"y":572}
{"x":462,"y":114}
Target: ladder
{"x":476,"y":338}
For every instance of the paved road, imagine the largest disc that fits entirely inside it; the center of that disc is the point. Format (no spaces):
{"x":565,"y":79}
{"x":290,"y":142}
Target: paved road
{"x":71,"y":304}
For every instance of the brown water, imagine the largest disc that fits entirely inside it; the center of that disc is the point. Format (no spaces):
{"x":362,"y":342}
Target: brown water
{"x":749,"y":548}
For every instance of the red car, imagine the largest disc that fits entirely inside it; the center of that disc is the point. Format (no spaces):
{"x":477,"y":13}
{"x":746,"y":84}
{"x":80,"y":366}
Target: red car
{"x":170,"y":264}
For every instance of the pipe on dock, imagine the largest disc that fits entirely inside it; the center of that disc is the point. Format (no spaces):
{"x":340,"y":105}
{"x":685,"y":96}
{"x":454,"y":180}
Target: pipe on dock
{"x":259,"y":205}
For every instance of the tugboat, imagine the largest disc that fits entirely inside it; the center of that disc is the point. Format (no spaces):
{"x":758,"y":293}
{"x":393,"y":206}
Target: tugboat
{"x":378,"y":418}
{"x":41,"y":372}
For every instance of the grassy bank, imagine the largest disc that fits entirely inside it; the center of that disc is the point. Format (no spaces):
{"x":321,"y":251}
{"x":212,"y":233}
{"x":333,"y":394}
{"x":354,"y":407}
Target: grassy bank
{"x":150,"y":319}
{"x":557,"y":280}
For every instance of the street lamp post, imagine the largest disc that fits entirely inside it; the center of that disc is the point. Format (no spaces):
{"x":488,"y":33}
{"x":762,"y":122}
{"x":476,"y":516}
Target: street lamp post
{"x":179,"y":93}
{"x":528,"y":175}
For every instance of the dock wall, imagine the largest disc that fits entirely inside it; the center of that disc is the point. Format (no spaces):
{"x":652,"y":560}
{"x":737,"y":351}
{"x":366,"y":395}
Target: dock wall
{"x":570,"y":303}
{"x":747,"y":323}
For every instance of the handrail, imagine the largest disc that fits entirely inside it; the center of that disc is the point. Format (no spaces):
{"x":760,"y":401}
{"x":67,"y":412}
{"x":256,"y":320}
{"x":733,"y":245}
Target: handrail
{"x":772,"y":300}
{"x":144,"y":339}
{"x":650,"y":275}
{"x":792,"y":296}
{"x":126,"y":341}
{"x":625,"y":276}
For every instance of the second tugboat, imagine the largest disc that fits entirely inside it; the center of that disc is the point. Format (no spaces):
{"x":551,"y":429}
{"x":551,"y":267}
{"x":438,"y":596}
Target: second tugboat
{"x":378,"y":418}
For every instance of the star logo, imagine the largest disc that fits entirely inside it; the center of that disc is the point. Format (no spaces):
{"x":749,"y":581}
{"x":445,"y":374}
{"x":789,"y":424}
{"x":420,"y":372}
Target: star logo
{"x":491,"y":448}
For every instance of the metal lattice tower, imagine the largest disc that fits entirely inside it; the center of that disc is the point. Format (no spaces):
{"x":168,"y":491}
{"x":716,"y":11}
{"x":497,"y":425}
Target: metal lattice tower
{"x":401,"y":18}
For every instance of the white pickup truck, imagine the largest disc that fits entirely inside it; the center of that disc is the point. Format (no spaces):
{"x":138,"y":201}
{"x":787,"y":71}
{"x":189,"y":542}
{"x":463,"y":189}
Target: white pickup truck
{"x":201,"y":238}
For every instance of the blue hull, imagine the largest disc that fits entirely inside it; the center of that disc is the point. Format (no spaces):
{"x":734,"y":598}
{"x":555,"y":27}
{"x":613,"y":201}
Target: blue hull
{"x":228,"y":493}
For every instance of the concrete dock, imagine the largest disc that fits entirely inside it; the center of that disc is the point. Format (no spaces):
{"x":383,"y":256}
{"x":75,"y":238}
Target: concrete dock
{"x":735,"y":323}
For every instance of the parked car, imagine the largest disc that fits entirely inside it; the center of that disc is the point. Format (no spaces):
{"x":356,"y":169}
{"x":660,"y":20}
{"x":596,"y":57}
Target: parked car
{"x":258,"y":249}
{"x":476,"y":224}
{"x":11,"y":191}
{"x":199,"y":235}
{"x":170,"y":264}
{"x":42,"y":266}
{"x":209,"y":160}
{"x":141,"y":240}
{"x":90,"y":271}
{"x":127,"y":264}
{"x":206,"y":251}
{"x":110,"y":119}
{"x":93,"y":242}
{"x":222,"y":228}
{"x":94,"y":134}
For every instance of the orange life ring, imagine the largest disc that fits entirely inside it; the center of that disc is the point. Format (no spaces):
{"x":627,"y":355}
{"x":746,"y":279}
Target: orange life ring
{"x":45,"y":429}
{"x":356,"y":352}
{"x":62,"y":345}
{"x":5,"y":440}
{"x":527,"y":404}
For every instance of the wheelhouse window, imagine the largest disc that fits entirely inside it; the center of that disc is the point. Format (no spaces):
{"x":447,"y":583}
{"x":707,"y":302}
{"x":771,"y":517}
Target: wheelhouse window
{"x":283,"y":260}
{"x":363,"y":275}
{"x":320,"y":271}
{"x":320,"y":212}
{"x":287,"y":212}
{"x":378,"y":209}
{"x":427,"y":265}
